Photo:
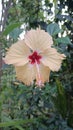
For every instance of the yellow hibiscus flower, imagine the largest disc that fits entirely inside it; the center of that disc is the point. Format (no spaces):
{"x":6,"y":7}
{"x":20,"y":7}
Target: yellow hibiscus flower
{"x":34,"y":57}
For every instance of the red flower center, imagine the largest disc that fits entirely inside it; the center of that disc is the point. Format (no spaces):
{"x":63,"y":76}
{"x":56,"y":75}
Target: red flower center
{"x":35,"y":57}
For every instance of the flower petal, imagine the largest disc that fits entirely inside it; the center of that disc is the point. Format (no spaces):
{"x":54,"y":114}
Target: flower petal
{"x":44,"y":73}
{"x":17,"y":54}
{"x":52,"y":59}
{"x":26,"y":73}
{"x":38,"y":40}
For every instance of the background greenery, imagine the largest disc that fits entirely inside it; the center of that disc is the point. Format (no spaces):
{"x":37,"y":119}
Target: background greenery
{"x":30,"y":108}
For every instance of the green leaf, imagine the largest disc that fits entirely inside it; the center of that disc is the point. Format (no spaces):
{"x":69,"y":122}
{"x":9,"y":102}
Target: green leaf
{"x":16,"y":122}
{"x":64,"y":40}
{"x":15,"y":33}
{"x":19,"y":127}
{"x":60,"y":100}
{"x":10,"y":27}
{"x":53,"y":29}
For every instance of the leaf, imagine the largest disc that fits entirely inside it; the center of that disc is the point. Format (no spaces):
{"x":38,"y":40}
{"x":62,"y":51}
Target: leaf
{"x":64,"y":40}
{"x":53,"y":29}
{"x":15,"y":33}
{"x":19,"y":127}
{"x":10,"y":27}
{"x":60,"y":100}
{"x":16,"y":122}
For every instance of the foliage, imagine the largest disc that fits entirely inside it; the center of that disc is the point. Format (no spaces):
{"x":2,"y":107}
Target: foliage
{"x":30,"y":108}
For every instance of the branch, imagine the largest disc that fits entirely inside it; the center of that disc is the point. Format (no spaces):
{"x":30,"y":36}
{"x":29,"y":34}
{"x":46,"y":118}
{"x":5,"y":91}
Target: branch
{"x":0,"y":62}
{"x":5,"y":12}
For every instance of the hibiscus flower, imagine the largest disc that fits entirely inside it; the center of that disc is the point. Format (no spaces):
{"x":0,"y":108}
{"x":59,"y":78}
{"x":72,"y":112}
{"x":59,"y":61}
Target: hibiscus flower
{"x":34,"y":57}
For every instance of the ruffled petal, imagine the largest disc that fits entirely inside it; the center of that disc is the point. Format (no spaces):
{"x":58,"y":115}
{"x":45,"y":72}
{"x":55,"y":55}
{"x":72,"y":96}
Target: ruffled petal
{"x":26,"y":73}
{"x":43,"y":75}
{"x":17,"y":54}
{"x":52,"y":59}
{"x":38,"y":40}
